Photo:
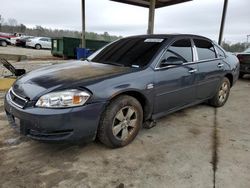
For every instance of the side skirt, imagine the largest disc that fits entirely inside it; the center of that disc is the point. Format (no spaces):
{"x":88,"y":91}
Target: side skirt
{"x":162,"y":114}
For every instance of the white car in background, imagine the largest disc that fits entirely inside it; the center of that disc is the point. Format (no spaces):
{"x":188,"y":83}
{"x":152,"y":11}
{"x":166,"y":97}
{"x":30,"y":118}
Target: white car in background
{"x":39,"y":43}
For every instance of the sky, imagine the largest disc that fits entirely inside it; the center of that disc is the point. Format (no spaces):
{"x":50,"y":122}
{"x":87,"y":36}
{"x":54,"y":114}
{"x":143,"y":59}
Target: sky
{"x":196,"y":17}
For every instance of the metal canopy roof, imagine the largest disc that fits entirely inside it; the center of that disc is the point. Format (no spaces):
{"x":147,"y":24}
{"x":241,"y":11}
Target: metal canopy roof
{"x":152,"y":5}
{"x":146,"y":3}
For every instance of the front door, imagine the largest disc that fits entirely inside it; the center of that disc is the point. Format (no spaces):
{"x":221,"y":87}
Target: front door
{"x":175,"y":84}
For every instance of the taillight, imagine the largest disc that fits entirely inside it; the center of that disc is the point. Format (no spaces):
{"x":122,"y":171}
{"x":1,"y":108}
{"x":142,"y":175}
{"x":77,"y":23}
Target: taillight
{"x":240,"y":57}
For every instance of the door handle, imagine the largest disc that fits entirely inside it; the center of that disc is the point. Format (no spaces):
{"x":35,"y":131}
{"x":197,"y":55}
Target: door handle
{"x":220,"y":65}
{"x":192,"y":71}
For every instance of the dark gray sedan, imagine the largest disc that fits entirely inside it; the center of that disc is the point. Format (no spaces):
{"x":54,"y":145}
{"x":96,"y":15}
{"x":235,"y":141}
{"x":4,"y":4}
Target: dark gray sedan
{"x":129,"y":83}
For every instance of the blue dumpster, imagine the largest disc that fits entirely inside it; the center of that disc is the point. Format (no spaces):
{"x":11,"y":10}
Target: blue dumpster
{"x":83,"y":53}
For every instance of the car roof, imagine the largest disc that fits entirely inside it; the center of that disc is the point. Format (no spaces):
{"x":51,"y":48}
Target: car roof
{"x":40,"y":37}
{"x":37,"y":37}
{"x":169,"y":36}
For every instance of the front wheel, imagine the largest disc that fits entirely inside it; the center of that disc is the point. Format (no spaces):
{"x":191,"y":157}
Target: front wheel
{"x":38,"y":46}
{"x":222,"y":94}
{"x":120,"y":122}
{"x":3,"y":43}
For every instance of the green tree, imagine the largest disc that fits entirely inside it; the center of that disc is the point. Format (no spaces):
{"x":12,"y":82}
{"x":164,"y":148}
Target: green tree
{"x":22,"y":28}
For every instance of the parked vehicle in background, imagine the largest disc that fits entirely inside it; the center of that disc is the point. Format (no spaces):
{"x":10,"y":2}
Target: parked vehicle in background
{"x":244,"y":59}
{"x":39,"y":43}
{"x":6,"y":35}
{"x":19,"y":36}
{"x":10,"y":35}
{"x":4,"y":42}
{"x":129,"y":83}
{"x":22,"y":41}
{"x":13,"y":40}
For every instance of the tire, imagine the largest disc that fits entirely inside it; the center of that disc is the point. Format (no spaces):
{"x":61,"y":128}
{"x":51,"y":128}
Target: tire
{"x":3,"y":43}
{"x":38,"y":46}
{"x":222,"y":94}
{"x":120,"y":122}
{"x":241,"y":75}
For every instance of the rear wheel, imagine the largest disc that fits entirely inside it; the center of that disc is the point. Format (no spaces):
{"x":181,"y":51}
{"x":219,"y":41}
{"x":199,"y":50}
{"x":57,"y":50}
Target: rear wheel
{"x":121,"y":122}
{"x":222,"y":94}
{"x":3,"y":43}
{"x":38,"y":46}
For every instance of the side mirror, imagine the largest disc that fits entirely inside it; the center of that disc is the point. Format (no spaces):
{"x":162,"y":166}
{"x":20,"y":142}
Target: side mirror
{"x":172,"y":60}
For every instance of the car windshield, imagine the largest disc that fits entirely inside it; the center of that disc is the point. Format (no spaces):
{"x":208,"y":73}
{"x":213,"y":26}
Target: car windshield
{"x":26,"y":37}
{"x":247,"y":50}
{"x":132,"y":52}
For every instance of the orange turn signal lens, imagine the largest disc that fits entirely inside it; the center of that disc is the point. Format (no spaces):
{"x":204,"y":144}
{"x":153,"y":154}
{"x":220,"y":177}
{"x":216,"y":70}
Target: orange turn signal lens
{"x":77,"y":99}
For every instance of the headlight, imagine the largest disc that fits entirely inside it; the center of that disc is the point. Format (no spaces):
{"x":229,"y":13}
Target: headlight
{"x":63,"y":99}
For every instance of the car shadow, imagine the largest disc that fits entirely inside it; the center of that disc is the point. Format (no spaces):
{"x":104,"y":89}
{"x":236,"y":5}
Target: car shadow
{"x":246,"y":77}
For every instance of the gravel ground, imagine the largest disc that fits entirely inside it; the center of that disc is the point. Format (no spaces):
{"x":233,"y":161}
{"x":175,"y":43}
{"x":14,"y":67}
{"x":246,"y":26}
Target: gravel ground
{"x":35,"y":59}
{"x":29,"y":65}
{"x":195,"y":147}
{"x":29,"y":52}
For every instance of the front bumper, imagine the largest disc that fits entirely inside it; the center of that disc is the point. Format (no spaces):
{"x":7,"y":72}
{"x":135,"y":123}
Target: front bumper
{"x":70,"y":124}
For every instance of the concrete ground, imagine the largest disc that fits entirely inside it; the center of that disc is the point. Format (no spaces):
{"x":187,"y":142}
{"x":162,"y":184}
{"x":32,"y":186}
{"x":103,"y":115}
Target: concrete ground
{"x":195,"y":147}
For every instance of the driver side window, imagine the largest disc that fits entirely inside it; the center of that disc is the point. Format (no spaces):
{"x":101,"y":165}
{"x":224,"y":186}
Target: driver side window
{"x":180,"y":49}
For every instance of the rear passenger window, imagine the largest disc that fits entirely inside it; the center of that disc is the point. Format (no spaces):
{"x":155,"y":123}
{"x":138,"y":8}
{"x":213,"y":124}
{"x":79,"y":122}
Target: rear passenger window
{"x":182,"y":49}
{"x":44,"y":39}
{"x":205,"y":49}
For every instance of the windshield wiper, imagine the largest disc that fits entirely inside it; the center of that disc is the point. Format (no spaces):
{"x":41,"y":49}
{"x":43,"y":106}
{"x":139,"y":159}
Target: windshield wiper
{"x":84,"y":59}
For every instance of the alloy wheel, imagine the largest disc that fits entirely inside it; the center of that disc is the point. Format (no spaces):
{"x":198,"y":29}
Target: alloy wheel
{"x":124,"y":123}
{"x":224,"y":89}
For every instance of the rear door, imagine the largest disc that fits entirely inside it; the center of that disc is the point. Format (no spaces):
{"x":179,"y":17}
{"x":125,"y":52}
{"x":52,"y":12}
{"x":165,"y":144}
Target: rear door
{"x":45,"y":43}
{"x":49,"y":45}
{"x":175,"y":84}
{"x":210,"y":68}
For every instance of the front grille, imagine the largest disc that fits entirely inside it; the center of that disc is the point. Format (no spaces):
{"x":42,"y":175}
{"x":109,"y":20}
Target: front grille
{"x":49,"y":135}
{"x":17,"y":100}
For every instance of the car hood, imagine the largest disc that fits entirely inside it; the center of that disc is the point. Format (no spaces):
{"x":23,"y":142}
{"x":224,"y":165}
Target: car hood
{"x":64,"y":76}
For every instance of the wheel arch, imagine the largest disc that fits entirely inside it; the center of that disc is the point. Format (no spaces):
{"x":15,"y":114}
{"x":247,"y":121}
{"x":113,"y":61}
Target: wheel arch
{"x":229,"y":76}
{"x":143,"y":100}
{"x":38,"y":44}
